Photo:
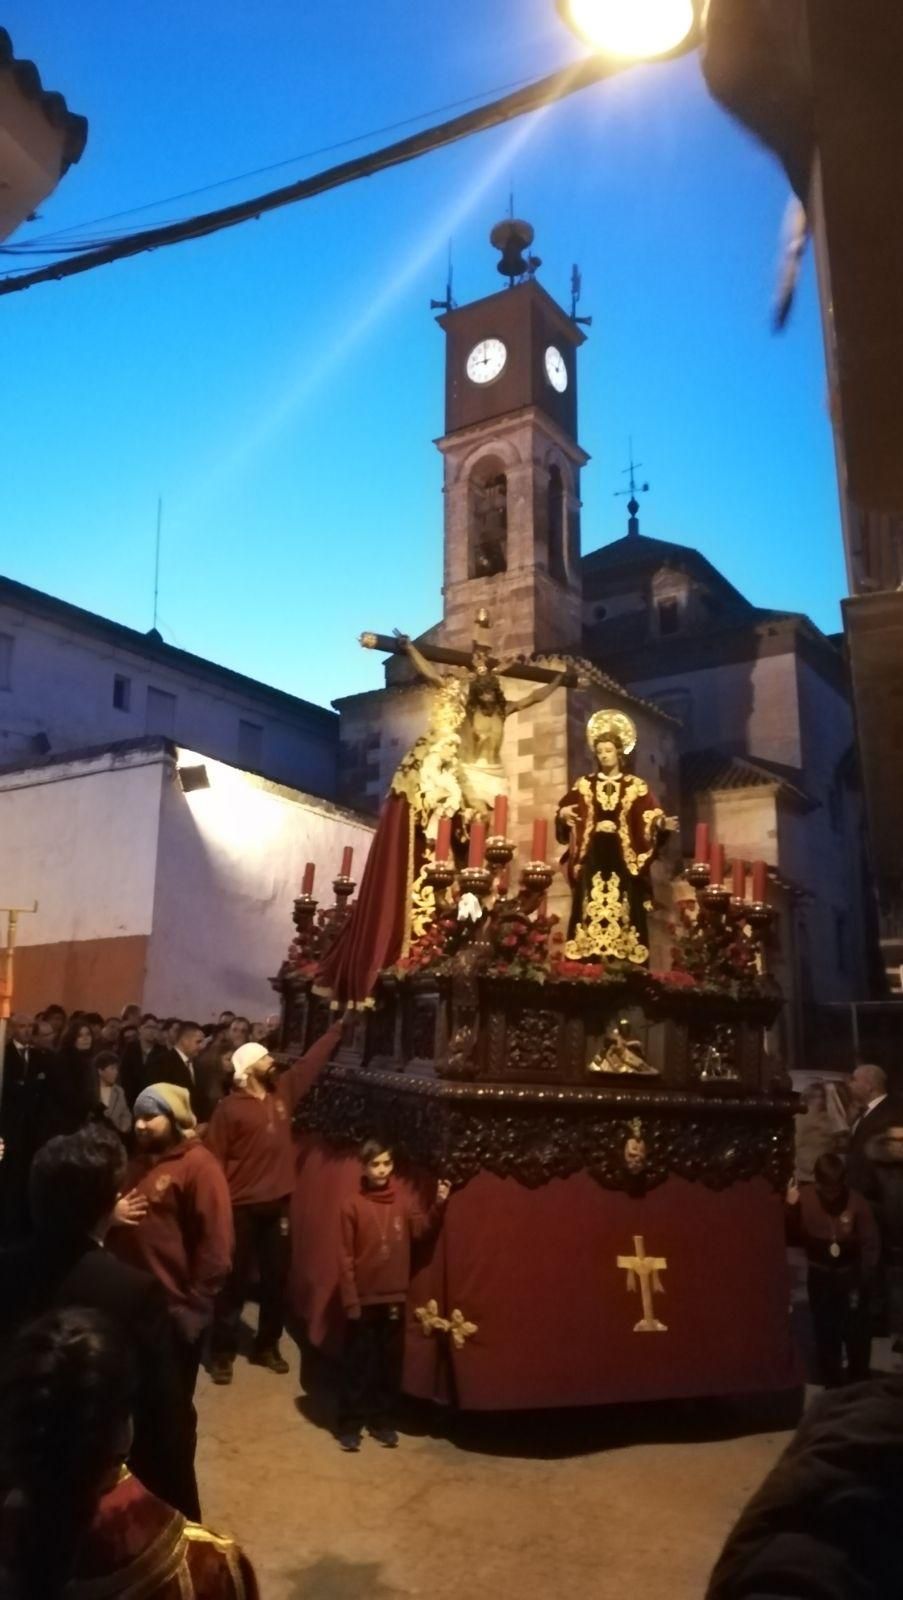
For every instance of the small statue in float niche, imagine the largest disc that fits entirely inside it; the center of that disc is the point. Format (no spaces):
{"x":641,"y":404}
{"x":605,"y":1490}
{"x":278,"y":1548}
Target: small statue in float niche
{"x":635,"y":1152}
{"x":612,"y":826}
{"x":621,"y":1052}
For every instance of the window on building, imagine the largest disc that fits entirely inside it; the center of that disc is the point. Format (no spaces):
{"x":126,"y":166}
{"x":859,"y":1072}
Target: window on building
{"x":6,"y":660}
{"x":122,"y":692}
{"x":488,"y":519}
{"x":161,"y":713}
{"x":250,"y":745}
{"x":668,"y":616}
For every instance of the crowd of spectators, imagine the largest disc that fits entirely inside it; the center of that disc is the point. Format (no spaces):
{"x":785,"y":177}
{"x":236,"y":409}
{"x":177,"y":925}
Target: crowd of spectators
{"x":118,"y":1223}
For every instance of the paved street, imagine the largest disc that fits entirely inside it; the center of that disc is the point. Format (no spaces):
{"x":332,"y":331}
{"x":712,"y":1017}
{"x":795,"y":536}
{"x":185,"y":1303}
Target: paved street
{"x":605,"y":1504}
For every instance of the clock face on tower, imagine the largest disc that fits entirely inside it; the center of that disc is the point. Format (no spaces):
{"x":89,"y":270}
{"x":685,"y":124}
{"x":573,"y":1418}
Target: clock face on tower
{"x":556,"y":370}
{"x":486,"y":361}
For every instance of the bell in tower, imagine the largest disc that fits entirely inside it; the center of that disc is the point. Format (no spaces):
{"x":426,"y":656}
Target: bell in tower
{"x":512,"y":460}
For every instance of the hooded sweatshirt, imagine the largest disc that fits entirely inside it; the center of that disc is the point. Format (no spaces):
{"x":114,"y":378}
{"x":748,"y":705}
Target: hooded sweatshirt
{"x":377,"y":1226}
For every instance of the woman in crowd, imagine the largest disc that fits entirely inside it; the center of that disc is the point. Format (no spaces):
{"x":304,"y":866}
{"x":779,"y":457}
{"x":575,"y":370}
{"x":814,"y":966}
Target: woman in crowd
{"x":73,"y":1519}
{"x":111,"y":1102}
{"x":71,"y":1081}
{"x":815,"y":1133}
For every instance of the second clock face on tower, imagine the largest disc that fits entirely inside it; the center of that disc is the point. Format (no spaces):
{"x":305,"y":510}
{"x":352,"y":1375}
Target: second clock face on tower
{"x":486,"y":360}
{"x":556,"y":369}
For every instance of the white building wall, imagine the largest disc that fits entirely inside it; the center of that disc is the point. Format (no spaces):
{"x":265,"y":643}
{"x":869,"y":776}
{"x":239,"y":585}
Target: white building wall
{"x":230,"y":863}
{"x":81,"y":839}
{"x":61,"y":680}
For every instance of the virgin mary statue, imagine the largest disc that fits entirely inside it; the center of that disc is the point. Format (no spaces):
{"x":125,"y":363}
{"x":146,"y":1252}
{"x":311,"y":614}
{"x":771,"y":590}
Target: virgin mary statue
{"x":395,"y":903}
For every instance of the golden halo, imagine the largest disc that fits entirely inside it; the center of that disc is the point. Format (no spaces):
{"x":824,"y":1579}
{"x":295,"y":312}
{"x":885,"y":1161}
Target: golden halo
{"x":611,"y":722}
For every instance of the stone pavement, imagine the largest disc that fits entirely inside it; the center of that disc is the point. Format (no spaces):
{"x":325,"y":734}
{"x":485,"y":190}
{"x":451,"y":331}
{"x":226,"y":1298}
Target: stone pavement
{"x":608,"y":1503}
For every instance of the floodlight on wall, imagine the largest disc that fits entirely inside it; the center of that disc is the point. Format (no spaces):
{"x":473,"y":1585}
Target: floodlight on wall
{"x":192,"y":778}
{"x":633,"y":30}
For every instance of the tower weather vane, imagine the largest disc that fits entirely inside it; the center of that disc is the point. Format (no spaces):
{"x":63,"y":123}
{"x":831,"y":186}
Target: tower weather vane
{"x":576,"y":291}
{"x":449,"y":303}
{"x":633,"y":489}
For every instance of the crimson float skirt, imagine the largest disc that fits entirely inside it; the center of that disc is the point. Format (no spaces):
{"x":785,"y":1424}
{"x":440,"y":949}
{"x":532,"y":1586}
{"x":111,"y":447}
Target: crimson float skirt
{"x":546,"y":1316}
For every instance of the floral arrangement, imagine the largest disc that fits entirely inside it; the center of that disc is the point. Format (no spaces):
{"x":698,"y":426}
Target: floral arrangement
{"x":713,"y":952}
{"x":520,"y":942}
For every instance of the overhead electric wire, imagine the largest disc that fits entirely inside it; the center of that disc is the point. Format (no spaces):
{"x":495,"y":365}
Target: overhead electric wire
{"x":32,"y":245}
{"x":544,"y":91}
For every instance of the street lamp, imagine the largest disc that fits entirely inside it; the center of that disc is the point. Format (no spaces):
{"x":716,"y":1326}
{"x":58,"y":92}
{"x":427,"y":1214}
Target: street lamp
{"x":633,"y":30}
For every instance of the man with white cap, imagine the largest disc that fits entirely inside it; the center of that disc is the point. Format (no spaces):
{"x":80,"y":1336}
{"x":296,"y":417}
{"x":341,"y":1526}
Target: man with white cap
{"x":250,"y":1132}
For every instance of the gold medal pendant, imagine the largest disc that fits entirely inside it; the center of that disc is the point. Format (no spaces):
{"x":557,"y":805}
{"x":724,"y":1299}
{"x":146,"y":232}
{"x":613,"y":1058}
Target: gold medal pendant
{"x":834,"y":1249}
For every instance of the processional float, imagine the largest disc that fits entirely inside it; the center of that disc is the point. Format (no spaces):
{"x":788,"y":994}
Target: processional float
{"x":618,"y":1138}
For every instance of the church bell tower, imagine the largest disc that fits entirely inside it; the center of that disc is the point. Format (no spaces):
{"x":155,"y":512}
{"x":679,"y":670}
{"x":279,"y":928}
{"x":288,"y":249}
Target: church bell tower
{"x":512,"y":462}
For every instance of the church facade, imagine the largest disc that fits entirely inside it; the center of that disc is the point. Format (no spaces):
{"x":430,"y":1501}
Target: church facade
{"x":742,"y":715}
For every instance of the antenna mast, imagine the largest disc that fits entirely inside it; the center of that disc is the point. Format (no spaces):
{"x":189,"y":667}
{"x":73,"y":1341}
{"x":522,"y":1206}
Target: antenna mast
{"x":157,"y":559}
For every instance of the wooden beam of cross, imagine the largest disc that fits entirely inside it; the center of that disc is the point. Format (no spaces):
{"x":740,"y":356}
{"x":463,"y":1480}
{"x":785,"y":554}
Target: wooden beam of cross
{"x":644,"y":1271}
{"x":529,"y":670}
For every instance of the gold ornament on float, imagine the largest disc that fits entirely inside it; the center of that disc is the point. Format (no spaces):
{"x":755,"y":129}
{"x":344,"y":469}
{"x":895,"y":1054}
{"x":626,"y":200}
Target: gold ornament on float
{"x":611,"y":724}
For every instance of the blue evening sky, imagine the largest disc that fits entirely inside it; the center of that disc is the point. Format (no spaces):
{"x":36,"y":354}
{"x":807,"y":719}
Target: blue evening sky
{"x":281,"y":384}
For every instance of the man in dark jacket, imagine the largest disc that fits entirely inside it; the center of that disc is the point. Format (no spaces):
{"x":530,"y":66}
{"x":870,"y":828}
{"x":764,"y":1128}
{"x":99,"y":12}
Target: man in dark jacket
{"x":22,"y":1119}
{"x":178,"y":1065}
{"x":876,"y":1110}
{"x":75,"y":1185}
{"x":825,"y":1525}
{"x":138,"y":1060}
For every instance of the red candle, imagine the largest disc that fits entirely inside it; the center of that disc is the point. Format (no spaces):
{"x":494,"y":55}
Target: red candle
{"x":443,"y":839}
{"x":540,"y":839}
{"x":477,"y":850}
{"x":738,"y":879}
{"x":716,"y":865}
{"x":759,"y":881}
{"x":307,"y":883}
{"x":500,"y":816}
{"x":702,"y":842}
{"x":347,"y":858}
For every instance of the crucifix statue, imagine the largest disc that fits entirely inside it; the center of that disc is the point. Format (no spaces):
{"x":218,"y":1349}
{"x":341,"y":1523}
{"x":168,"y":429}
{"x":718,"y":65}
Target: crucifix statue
{"x":644,"y":1270}
{"x":485,"y":705}
{"x":451,"y":774}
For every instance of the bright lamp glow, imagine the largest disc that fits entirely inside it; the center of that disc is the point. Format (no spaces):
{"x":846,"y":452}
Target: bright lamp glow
{"x":633,"y":29}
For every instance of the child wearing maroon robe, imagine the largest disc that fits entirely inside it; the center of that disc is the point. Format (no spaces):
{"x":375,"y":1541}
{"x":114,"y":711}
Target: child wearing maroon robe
{"x":377,"y":1226}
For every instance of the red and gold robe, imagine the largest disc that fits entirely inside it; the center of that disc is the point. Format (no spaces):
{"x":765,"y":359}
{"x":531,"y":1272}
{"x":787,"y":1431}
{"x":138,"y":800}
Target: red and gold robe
{"x":609,"y":850}
{"x":138,"y":1548}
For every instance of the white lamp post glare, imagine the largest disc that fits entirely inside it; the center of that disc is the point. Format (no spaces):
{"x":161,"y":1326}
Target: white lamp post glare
{"x":635,"y":30}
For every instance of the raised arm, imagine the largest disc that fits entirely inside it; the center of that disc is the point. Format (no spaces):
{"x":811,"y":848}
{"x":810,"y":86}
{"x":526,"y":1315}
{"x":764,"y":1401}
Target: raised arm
{"x":424,"y":667}
{"x":534,"y":698}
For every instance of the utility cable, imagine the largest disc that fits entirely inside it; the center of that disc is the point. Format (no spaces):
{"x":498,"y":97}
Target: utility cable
{"x":542,"y":92}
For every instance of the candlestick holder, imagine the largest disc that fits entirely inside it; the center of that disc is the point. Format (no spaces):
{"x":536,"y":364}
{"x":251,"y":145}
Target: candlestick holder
{"x":475,"y":880}
{"x":304,"y":911}
{"x":715,"y":898}
{"x":440,"y":876}
{"x":760,"y":916}
{"x":698,"y":873}
{"x":738,"y":908}
{"x":536,"y":875}
{"x":499,"y":850}
{"x":344,"y":888}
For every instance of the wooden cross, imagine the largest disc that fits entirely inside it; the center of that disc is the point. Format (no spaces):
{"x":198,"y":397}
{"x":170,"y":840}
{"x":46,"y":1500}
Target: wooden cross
{"x":644,"y":1270}
{"x":456,"y":1325}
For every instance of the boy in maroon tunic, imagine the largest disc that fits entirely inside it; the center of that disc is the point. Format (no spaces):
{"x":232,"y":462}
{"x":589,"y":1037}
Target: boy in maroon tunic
{"x":378,"y":1224}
